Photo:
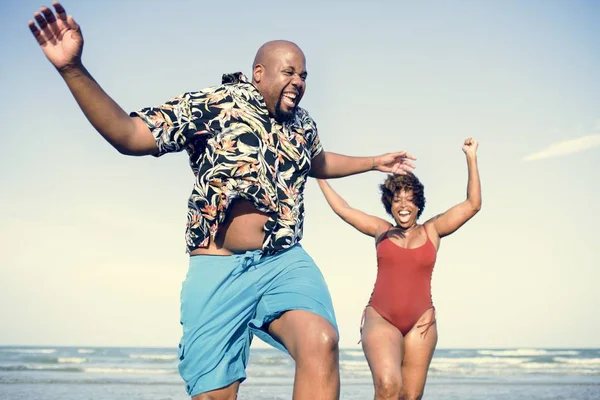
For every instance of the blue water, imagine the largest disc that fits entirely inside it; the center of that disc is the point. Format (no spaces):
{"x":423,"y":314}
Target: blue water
{"x":70,"y":373}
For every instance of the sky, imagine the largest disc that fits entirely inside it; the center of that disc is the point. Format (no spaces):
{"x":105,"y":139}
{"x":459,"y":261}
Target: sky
{"x":92,"y":242}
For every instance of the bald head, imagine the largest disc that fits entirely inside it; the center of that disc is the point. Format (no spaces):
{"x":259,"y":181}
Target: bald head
{"x":279,"y":73}
{"x":270,"y":50}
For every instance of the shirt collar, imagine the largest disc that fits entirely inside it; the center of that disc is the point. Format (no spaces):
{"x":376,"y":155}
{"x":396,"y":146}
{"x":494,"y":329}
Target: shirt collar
{"x":239,"y":77}
{"x":236,"y":77}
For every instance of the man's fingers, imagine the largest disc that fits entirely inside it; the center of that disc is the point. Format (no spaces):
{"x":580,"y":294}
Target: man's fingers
{"x":51,"y":20}
{"x":40,"y":20}
{"x":45,"y":34}
{"x":48,"y":14}
{"x":36,"y":33}
{"x":47,"y":31}
{"x":408,"y":164}
{"x":62,"y":15}
{"x":72,"y":24}
{"x":404,"y":154}
{"x":398,"y":169}
{"x":60,"y":11}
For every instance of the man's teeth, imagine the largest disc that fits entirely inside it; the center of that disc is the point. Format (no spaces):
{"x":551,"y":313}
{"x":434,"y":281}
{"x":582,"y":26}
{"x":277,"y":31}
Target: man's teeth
{"x":289,"y":99}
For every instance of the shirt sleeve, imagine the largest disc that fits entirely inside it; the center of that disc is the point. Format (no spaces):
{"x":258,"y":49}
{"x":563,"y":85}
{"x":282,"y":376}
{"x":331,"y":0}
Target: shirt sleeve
{"x":182,"y":120}
{"x":314,"y":143}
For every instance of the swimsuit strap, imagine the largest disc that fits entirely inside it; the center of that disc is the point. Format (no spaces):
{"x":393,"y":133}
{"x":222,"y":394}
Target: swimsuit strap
{"x":383,"y":236}
{"x":426,"y":234}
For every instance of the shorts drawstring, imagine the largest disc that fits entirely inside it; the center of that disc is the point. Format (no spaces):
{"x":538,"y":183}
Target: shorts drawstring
{"x":246,"y":261}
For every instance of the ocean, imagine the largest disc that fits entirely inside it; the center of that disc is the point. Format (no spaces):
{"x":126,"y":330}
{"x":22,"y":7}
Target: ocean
{"x":99,"y":373}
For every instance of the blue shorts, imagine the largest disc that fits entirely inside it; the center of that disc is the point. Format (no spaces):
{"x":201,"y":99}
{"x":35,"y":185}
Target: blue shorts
{"x":225,"y":300}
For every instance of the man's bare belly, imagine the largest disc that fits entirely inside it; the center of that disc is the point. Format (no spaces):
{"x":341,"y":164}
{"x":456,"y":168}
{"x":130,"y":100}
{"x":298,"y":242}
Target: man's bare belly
{"x":242,"y":230}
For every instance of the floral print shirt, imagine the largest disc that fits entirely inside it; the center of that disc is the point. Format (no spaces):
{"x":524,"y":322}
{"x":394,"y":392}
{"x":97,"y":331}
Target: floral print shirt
{"x":237,"y":151}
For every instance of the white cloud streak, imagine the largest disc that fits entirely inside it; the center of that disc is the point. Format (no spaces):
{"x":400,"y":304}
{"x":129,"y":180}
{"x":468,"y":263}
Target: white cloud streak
{"x":566,"y":147}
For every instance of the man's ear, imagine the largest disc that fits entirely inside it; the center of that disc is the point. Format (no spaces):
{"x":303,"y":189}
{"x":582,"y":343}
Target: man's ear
{"x":258,"y":72}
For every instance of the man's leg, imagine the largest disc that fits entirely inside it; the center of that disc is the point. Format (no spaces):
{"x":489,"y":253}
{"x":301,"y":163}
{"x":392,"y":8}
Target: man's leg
{"x":295,"y":314}
{"x":217,"y":302}
{"x":226,"y":393}
{"x":313,"y":343}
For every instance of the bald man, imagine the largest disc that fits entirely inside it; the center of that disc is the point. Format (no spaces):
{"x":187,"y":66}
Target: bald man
{"x":251,"y":148}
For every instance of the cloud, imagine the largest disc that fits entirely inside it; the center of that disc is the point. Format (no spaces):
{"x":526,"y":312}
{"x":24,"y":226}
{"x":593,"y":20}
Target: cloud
{"x":566,"y":147}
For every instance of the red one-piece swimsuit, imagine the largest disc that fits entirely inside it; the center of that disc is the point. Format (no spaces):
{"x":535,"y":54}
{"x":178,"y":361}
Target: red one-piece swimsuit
{"x":402,"y":291}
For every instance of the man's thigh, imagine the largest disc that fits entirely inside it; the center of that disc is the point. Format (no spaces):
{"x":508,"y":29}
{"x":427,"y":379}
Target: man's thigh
{"x":296,"y":283}
{"x":217,"y":302}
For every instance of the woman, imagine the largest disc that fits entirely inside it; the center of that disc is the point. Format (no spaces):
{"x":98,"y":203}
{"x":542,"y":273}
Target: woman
{"x":398,"y":331}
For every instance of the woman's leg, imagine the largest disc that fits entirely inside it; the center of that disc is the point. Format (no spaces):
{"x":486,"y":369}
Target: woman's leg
{"x":419,"y":345}
{"x":382,"y":344}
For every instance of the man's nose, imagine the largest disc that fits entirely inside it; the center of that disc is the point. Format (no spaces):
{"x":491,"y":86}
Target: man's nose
{"x":298,"y":82}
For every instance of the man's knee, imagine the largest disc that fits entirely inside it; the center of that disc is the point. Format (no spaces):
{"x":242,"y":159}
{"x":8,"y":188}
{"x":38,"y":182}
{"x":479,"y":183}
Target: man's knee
{"x":320,"y":341}
{"x":411,"y":395}
{"x":388,"y":386}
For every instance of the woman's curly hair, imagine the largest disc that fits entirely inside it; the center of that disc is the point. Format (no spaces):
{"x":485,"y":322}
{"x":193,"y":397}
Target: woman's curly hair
{"x":396,"y":183}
